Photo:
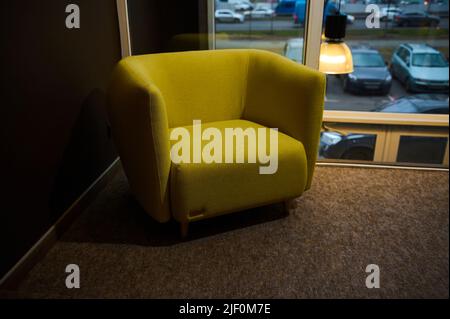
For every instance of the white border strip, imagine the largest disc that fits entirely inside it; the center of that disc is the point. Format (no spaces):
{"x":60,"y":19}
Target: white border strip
{"x":51,"y":234}
{"x":379,"y":166}
{"x":355,"y":117}
{"x":313,"y":33}
{"x":211,"y":24}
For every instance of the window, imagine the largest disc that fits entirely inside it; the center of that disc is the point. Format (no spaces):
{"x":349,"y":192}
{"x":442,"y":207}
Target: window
{"x":402,"y":58}
{"x":403,"y":54}
{"x":400,"y":79}
{"x":269,"y":25}
{"x":400,"y":69}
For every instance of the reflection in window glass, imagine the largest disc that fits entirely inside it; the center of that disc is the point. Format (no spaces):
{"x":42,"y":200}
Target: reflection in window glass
{"x":276,"y":26}
{"x":419,"y":103}
{"x":402,"y":66}
{"x":421,"y":149}
{"x":334,"y":145}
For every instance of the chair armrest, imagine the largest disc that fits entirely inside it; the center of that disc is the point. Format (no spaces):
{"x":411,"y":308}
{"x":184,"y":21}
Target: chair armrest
{"x":286,"y":95}
{"x":140,"y":130}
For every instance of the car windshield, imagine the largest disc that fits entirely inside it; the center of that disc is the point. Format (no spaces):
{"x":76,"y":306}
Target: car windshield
{"x":429,"y":60}
{"x":367,"y":60}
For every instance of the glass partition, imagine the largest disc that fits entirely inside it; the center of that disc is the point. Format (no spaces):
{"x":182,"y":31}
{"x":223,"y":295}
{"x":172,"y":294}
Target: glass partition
{"x":276,"y":26}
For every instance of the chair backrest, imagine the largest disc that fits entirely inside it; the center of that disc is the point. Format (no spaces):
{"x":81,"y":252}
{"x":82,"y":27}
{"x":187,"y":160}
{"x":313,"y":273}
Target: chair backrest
{"x":201,"y":85}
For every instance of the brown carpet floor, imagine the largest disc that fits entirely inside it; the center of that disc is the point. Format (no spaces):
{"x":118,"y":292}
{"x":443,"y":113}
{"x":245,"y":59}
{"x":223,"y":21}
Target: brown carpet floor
{"x":352,"y":217}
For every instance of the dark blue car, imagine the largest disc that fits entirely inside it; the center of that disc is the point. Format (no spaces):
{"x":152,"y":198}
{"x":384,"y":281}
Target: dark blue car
{"x":286,"y":8}
{"x":371,"y":74}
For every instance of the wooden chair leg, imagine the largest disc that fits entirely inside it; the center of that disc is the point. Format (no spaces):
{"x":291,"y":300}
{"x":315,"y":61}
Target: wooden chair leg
{"x":184,"y":228}
{"x":287,"y":206}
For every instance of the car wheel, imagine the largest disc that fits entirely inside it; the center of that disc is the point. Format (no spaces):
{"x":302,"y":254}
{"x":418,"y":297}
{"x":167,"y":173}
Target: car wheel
{"x":434,"y":24}
{"x":392,"y":71}
{"x":346,"y":85}
{"x":359,"y":154}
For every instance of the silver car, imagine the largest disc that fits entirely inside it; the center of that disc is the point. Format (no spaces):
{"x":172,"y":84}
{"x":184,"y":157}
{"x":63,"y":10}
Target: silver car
{"x":420,"y":68}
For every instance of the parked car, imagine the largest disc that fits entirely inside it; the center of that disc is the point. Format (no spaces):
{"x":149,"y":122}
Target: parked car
{"x":285,"y":8}
{"x":350,"y":18}
{"x":262,"y":13}
{"x":236,"y":4}
{"x":388,"y":14}
{"x":329,"y":9}
{"x":370,"y":75}
{"x":420,"y":68}
{"x":379,"y":1}
{"x":390,"y":2}
{"x":299,"y":13}
{"x":225,"y":15}
{"x":409,"y":2}
{"x":293,"y":50}
{"x":418,"y":103}
{"x":416,"y":19}
{"x":243,"y":6}
{"x":264,"y":5}
{"x":336,"y":145}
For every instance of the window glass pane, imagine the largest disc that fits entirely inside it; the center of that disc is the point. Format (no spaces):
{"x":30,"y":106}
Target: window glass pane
{"x":276,"y":26}
{"x":352,"y":146}
{"x":400,"y":67}
{"x":422,"y":149}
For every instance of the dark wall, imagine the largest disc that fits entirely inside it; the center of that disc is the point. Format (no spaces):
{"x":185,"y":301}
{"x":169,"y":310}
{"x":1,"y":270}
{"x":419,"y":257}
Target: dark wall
{"x":53,"y":131}
{"x":53,"y":125}
{"x":155,"y":23}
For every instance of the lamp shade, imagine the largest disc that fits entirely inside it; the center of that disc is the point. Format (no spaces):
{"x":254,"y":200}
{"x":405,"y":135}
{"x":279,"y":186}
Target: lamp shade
{"x":335,"y":58}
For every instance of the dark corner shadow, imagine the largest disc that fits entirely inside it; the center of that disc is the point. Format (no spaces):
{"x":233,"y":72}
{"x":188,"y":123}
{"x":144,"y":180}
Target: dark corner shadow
{"x":87,"y":153}
{"x":117,"y":218}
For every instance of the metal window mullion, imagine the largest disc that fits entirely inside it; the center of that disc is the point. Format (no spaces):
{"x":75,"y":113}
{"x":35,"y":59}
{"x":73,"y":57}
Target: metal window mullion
{"x":124,"y":27}
{"x":211,"y":24}
{"x":313,"y":33}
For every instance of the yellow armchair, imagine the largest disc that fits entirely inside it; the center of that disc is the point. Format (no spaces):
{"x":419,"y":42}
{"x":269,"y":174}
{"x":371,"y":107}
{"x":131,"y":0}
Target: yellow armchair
{"x":151,"y":95}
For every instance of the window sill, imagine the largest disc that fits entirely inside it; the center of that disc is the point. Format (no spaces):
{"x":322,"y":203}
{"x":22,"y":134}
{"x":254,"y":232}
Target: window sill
{"x":436,"y":120}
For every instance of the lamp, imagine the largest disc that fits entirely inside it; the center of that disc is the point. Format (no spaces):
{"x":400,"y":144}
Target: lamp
{"x":335,"y":55}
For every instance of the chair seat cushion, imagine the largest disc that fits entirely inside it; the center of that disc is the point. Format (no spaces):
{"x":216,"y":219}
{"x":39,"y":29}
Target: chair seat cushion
{"x":199,"y":190}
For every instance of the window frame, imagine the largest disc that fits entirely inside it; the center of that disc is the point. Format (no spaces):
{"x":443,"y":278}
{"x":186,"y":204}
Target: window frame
{"x":124,"y":27}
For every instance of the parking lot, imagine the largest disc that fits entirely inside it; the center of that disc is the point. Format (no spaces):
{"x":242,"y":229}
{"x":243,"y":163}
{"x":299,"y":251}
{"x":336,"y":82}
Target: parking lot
{"x":337,"y":99}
